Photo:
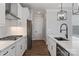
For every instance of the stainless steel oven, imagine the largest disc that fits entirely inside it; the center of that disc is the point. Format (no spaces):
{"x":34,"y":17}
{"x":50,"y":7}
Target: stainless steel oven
{"x":60,"y":51}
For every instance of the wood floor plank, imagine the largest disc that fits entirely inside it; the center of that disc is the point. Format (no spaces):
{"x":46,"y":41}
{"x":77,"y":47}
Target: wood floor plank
{"x":39,"y":48}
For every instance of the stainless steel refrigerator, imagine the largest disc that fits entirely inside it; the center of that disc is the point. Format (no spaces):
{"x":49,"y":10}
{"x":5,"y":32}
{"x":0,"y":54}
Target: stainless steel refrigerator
{"x":29,"y":34}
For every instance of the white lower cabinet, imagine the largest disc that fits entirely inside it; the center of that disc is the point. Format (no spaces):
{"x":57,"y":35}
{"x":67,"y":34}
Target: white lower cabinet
{"x":51,"y":46}
{"x":20,"y":47}
{"x":13,"y":50}
{"x":9,"y":51}
{"x":23,"y":45}
{"x":16,"y":49}
{"x":5,"y":52}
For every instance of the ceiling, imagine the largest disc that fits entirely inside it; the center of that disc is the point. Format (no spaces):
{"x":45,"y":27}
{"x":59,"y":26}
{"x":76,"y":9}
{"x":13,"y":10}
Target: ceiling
{"x":42,"y":7}
{"x":47,"y":5}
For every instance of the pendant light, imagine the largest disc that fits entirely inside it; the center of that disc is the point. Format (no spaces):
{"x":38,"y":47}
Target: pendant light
{"x":75,"y":8}
{"x":61,"y":15}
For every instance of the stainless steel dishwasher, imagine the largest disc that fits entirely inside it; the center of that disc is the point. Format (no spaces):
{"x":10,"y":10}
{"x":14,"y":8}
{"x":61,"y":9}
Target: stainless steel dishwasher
{"x":60,"y":51}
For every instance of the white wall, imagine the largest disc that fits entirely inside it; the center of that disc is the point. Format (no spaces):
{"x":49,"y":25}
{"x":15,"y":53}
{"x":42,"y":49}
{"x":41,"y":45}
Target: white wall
{"x":53,"y":26}
{"x":18,"y":27}
{"x":75,"y":19}
{"x":75,"y":25}
{"x":37,"y":25}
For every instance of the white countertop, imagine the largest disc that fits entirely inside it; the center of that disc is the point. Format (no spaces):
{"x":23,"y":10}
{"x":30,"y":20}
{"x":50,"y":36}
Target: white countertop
{"x":71,"y":46}
{"x":4,"y":44}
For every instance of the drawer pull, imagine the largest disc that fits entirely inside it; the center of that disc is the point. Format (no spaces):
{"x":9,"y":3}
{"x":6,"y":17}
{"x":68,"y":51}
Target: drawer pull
{"x":13,"y":47}
{"x":5,"y":53}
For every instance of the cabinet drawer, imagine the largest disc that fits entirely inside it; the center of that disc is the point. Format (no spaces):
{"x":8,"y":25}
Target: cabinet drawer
{"x":12,"y":47}
{"x":5,"y":52}
{"x":9,"y":51}
{"x":12,"y":50}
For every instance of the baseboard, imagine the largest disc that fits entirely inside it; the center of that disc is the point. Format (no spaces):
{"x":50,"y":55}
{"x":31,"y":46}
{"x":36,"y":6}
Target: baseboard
{"x":37,"y":39}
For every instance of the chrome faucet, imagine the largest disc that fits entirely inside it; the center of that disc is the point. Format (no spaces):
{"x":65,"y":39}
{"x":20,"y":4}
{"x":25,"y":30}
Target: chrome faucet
{"x":64,"y":29}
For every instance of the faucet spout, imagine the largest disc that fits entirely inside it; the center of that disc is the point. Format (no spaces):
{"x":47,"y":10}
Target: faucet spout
{"x":64,"y":24}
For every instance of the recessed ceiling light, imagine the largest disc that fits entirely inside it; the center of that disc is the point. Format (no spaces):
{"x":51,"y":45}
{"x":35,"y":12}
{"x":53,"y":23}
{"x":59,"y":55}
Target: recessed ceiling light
{"x":38,"y":12}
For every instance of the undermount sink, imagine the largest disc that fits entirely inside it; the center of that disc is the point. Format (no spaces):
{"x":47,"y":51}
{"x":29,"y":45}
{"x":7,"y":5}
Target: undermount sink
{"x":60,"y":39}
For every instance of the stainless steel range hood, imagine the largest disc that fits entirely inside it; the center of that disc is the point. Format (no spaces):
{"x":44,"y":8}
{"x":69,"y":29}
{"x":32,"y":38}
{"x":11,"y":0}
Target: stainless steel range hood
{"x":9,"y":14}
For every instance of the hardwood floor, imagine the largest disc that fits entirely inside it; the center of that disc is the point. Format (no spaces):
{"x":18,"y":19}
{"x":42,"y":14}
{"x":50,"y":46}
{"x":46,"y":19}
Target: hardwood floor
{"x":39,"y":48}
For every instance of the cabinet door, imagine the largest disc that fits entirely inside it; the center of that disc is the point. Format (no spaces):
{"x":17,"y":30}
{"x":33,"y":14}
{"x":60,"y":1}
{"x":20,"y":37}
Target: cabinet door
{"x":19,"y":11}
{"x":14,"y":9}
{"x":12,"y":50}
{"x":18,"y":48}
{"x":2,"y":14}
{"x":48,"y":42}
{"x":25,"y":43}
{"x":52,"y":47}
{"x":22,"y":45}
{"x":5,"y":52}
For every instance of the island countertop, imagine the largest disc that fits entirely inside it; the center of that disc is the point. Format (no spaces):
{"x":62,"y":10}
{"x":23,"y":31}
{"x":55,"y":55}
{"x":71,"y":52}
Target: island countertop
{"x":71,"y":46}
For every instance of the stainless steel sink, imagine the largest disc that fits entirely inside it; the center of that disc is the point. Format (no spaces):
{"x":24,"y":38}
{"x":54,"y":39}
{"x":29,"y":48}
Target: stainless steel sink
{"x":60,"y":39}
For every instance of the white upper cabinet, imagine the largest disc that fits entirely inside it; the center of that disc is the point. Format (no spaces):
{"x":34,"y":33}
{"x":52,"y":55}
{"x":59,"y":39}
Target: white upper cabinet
{"x":19,"y":11}
{"x":25,"y":13}
{"x":2,"y":14}
{"x":14,"y":9}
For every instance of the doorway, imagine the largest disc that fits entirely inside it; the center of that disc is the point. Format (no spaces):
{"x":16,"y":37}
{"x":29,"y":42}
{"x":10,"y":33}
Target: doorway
{"x":38,"y":26}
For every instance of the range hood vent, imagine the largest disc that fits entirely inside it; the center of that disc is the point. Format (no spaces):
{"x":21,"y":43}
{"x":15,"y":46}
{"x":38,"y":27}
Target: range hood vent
{"x":9,"y":14}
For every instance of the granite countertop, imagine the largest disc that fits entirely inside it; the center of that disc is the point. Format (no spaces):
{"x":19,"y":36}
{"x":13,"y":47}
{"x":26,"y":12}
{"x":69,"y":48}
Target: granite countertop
{"x":71,"y":46}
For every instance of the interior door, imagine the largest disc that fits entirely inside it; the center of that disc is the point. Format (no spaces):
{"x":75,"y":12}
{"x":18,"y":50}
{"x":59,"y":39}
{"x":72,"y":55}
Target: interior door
{"x":37,"y":27}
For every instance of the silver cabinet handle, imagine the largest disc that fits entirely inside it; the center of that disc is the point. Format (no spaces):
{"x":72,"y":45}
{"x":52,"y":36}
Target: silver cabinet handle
{"x":5,"y":53}
{"x":13,"y":47}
